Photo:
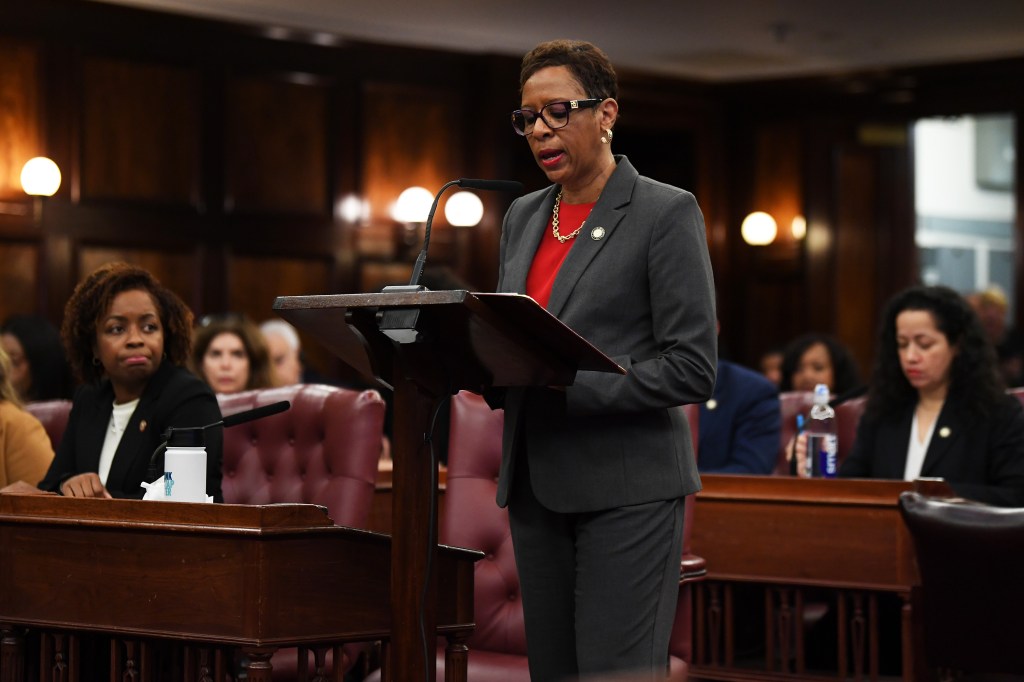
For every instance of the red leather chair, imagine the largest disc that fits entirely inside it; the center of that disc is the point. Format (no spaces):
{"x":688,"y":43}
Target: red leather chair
{"x":324,"y":451}
{"x":848,"y":415}
{"x":969,"y":556}
{"x":497,"y":648}
{"x":791,"y":403}
{"x":53,"y":414}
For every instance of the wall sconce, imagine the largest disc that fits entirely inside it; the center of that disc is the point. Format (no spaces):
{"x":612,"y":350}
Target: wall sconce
{"x":413,"y":205}
{"x":411,"y":210}
{"x":353,"y":210}
{"x":759,"y":229}
{"x":464,"y":209}
{"x":40,"y":178}
{"x":799,"y":227}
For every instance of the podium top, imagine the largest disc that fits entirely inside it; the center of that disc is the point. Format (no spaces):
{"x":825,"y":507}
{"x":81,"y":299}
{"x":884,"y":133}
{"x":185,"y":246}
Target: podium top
{"x":456,"y":338}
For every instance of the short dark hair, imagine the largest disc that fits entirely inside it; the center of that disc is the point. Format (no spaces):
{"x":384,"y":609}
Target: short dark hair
{"x":92,"y":298}
{"x":44,"y":351}
{"x":974,"y":373}
{"x":587,"y":63}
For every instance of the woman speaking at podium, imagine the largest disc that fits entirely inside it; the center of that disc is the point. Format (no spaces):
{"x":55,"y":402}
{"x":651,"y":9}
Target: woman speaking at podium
{"x":128,"y":338}
{"x":594,"y":474}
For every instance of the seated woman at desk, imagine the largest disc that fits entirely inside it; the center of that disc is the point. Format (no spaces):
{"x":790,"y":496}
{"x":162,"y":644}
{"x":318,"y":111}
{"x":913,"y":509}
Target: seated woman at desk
{"x":818,"y":359}
{"x":937,"y":406}
{"x":127,"y":337}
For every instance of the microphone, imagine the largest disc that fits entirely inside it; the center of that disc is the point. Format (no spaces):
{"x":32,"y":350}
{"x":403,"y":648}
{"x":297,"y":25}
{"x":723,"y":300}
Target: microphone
{"x":194,"y":433}
{"x":490,"y":185}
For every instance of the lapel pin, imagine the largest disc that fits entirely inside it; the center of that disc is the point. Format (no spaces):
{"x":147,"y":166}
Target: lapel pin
{"x":597,"y":234}
{"x":712,"y":404}
{"x":944,"y":432}
{"x":142,"y":426}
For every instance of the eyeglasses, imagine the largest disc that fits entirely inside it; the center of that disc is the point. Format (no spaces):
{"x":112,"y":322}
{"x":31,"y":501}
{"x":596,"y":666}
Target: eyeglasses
{"x":555,"y":115}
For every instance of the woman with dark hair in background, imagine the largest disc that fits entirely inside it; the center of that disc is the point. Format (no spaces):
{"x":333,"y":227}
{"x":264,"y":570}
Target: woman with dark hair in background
{"x":128,"y":339}
{"x":595,"y":474}
{"x":39,"y":366}
{"x":230,"y":354}
{"x":818,"y":359}
{"x":937,"y":406}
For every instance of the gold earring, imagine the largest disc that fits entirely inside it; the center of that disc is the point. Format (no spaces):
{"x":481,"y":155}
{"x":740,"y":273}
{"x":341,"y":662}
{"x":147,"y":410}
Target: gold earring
{"x":607,"y":137}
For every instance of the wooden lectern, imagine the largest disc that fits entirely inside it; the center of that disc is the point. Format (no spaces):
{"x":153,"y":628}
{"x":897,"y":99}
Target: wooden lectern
{"x":425,"y":346}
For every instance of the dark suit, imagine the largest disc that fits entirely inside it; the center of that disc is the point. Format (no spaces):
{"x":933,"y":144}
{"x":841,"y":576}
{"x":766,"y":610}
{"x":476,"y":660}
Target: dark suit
{"x":609,"y":444}
{"x":982,"y":459}
{"x":739,"y":430}
{"x":173,"y":397}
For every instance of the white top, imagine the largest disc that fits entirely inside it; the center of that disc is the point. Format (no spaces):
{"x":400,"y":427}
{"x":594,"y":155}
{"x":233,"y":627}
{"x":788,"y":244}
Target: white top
{"x":916,"y":450}
{"x":118,"y":422}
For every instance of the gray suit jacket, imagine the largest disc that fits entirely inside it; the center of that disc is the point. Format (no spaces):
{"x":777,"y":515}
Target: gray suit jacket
{"x":644,"y":295}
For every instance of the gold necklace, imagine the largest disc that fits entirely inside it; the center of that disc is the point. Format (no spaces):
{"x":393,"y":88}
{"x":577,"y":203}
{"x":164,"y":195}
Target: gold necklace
{"x":554,"y":222}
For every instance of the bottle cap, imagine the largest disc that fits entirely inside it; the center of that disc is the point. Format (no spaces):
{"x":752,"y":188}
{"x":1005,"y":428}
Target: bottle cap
{"x":821,"y":394}
{"x":186,"y":438}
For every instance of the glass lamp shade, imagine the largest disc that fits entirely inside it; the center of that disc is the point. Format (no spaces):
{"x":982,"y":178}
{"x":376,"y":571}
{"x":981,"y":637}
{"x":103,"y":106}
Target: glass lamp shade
{"x":799,"y":227}
{"x":464,"y":209}
{"x":40,"y":177}
{"x":759,"y":229}
{"x":413,"y":205}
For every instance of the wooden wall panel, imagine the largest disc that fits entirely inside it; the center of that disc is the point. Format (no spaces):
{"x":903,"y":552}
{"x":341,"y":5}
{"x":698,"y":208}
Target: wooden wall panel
{"x":276,"y":146}
{"x":176,"y":271}
{"x":140,"y":132}
{"x":19,"y":278}
{"x":20,"y":114}
{"x":256,"y":281}
{"x":412,"y":136}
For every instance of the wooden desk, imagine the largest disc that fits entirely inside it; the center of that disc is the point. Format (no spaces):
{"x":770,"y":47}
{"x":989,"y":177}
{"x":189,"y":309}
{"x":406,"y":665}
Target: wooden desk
{"x":788,"y":534}
{"x":253,"y":577}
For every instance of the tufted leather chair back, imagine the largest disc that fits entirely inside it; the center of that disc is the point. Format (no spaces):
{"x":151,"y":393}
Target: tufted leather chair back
{"x":53,"y":414}
{"x":969,"y":556}
{"x":472,"y":519}
{"x":323,"y":450}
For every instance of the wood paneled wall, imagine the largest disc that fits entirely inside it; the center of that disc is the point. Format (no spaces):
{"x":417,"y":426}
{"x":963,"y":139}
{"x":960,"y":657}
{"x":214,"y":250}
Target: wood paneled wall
{"x":216,"y":156}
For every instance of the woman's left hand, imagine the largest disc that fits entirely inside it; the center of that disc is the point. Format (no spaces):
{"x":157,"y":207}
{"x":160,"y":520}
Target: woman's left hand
{"x":84,"y":485}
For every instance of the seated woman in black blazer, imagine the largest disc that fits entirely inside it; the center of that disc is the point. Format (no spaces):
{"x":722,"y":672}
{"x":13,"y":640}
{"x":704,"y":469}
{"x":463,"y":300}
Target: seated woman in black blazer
{"x":937,"y":406}
{"x":128,"y":338}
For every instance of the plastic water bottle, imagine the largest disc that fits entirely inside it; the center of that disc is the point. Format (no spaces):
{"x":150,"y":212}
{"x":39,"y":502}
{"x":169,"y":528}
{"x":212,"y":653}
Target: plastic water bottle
{"x":822,"y":443}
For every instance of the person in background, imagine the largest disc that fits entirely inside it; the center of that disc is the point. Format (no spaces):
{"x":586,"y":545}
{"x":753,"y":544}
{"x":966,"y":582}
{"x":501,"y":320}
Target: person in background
{"x":25,"y":449}
{"x":127,"y":337}
{"x":595,"y":474}
{"x":740,"y":426}
{"x":770,"y":364}
{"x":937,"y":405}
{"x":818,"y":359}
{"x":229,"y":354}
{"x":284,"y":348}
{"x":991,"y":306}
{"x":39,"y":366}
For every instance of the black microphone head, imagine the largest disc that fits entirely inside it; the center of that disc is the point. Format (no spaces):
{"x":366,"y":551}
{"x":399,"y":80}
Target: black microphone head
{"x":492,"y":185}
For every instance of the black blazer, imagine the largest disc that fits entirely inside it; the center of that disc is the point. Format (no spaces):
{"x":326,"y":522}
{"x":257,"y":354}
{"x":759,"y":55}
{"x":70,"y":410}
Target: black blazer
{"x":173,"y":397}
{"x":637,"y":284}
{"x":982,"y":459}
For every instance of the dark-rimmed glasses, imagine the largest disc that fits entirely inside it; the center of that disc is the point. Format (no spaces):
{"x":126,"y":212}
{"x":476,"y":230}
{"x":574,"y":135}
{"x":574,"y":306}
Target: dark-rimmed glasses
{"x":555,"y":115}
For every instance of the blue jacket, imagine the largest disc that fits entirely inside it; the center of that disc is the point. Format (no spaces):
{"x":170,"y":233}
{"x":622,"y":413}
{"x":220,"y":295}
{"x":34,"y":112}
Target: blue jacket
{"x":740,"y":426}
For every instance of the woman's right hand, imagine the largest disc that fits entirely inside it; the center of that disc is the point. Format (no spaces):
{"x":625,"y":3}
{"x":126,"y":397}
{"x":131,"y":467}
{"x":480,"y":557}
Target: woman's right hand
{"x":84,"y":485}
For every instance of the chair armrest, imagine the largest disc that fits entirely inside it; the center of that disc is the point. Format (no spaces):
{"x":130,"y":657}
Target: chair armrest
{"x":692,"y":568}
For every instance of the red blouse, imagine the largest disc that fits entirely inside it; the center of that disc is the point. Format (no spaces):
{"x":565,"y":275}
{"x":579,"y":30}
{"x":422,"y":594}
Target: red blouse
{"x":551,"y":253}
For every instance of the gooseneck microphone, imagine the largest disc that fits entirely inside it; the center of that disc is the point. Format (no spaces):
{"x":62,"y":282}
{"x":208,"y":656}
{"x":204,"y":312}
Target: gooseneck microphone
{"x":489,"y":185}
{"x":193,"y":435}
